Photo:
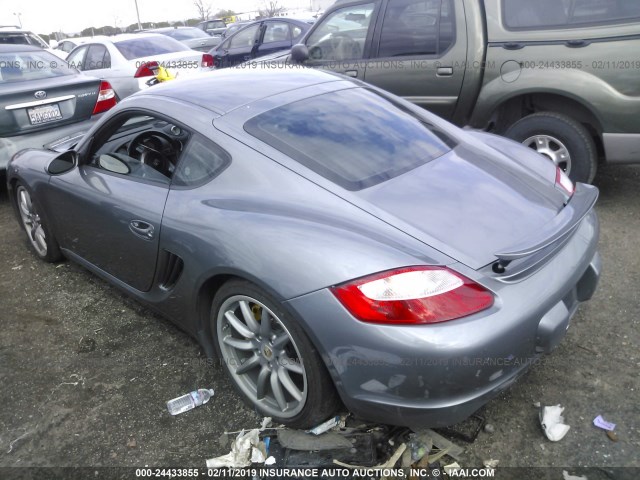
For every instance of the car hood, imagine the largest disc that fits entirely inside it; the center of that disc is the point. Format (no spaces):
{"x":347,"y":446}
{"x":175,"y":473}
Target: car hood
{"x":471,"y":204}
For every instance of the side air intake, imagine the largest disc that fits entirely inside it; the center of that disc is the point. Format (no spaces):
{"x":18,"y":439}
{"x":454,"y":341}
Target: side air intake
{"x":172,"y":266}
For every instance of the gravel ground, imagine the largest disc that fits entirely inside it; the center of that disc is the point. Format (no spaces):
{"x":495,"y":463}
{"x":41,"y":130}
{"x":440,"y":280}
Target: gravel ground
{"x":86,"y":372}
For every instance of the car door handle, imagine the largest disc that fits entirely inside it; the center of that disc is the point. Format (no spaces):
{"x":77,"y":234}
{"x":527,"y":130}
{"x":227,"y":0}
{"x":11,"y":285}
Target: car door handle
{"x":142,"y":229}
{"x":577,"y":43}
{"x":351,"y":73}
{"x":444,"y":71}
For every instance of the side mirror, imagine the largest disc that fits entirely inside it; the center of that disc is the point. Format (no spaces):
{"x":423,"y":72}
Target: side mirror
{"x":53,"y":43}
{"x":62,"y":163}
{"x":299,"y":53}
{"x":113,"y":164}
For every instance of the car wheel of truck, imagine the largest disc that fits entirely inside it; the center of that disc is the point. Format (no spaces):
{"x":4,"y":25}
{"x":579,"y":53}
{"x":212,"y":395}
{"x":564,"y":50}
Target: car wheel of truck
{"x":40,"y":238}
{"x":271,"y":361}
{"x":560,"y":138}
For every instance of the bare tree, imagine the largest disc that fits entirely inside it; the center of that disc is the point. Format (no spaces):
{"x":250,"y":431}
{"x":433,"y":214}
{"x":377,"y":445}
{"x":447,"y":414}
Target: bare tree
{"x":270,"y":9}
{"x":204,"y":9}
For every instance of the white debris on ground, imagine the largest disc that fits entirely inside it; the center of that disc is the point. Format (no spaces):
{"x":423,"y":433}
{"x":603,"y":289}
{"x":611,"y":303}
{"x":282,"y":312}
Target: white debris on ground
{"x":552,"y":423}
{"x":567,"y":476}
{"x":247,"y":448}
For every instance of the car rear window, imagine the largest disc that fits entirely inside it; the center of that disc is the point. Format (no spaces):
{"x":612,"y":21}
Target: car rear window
{"x":146,"y":46}
{"x":547,"y":14}
{"x":355,"y":138}
{"x":36,"y":65}
{"x":186,"y":33}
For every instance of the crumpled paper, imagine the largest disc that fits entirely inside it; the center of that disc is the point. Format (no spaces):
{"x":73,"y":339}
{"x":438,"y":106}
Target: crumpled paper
{"x":552,"y":423}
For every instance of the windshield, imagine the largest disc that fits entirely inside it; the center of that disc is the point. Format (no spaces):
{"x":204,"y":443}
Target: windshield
{"x":36,"y":65}
{"x":186,"y":33}
{"x":355,"y":137}
{"x":146,"y":46}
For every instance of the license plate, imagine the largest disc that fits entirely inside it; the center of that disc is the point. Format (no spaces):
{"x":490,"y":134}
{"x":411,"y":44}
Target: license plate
{"x":44,"y":114}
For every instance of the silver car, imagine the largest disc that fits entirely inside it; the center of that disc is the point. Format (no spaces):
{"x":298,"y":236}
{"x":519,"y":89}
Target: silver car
{"x":326,"y":240}
{"x":127,"y":60}
{"x":192,"y":37}
{"x":43,"y":100}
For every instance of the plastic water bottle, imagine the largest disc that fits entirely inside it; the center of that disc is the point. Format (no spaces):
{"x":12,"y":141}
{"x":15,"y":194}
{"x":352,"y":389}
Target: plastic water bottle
{"x":189,"y":401}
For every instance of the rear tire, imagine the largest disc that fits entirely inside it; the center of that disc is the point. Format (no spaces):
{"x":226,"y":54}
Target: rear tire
{"x":560,"y":138}
{"x":269,"y":358}
{"x":39,"y":235}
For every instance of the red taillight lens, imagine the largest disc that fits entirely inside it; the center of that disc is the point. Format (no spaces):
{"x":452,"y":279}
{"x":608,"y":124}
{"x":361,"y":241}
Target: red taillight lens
{"x":106,"y":98}
{"x":147,"y":69}
{"x":564,"y":182}
{"x":207,"y":61}
{"x":413,"y":295}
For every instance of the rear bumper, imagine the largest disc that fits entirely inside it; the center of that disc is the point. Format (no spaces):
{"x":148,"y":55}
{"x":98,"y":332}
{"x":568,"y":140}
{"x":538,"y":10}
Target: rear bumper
{"x":438,"y":375}
{"x":9,"y":146}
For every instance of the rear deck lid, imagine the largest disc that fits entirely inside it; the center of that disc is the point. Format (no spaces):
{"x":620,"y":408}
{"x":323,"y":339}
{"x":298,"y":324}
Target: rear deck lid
{"x":38,"y":91}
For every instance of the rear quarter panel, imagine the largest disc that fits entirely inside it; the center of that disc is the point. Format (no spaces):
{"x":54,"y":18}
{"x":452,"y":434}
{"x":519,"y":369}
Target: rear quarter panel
{"x":602,"y":75}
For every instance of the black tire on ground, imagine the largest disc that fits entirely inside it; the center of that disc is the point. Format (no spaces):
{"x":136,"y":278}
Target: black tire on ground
{"x":52,"y":253}
{"x":577,"y":139}
{"x":319,"y":402}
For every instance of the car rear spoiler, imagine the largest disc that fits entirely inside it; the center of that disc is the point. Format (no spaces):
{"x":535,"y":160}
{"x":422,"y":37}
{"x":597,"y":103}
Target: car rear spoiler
{"x":581,"y":203}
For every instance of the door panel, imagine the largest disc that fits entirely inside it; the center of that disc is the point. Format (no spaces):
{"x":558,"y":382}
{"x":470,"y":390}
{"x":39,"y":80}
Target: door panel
{"x":276,"y":37}
{"x":241,"y":46}
{"x":420,"y":53}
{"x":110,"y":221}
{"x":342,"y":39}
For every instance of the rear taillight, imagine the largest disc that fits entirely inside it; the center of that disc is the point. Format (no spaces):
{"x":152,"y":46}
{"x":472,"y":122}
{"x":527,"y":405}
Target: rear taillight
{"x":564,"y":182}
{"x":106,"y":98}
{"x":147,"y":69}
{"x":207,"y":61}
{"x":413,"y":295}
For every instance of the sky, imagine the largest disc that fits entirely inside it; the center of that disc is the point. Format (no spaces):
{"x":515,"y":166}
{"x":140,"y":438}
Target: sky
{"x":46,"y":16}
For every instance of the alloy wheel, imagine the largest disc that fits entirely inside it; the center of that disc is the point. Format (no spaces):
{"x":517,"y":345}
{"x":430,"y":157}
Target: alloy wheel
{"x":32,"y":221}
{"x":551,"y":148}
{"x":262,"y":356}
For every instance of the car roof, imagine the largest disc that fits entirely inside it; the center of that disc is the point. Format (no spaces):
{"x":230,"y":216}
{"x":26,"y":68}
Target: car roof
{"x":224,"y":90}
{"x":168,"y":29}
{"x":9,"y":48}
{"x":122,"y":36}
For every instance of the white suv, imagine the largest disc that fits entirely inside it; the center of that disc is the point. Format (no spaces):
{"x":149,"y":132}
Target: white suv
{"x":10,"y":35}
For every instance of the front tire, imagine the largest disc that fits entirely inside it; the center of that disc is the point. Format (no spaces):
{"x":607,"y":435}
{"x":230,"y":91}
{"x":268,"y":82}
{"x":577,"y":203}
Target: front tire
{"x":270,"y":360}
{"x":41,"y":239}
{"x":560,"y":138}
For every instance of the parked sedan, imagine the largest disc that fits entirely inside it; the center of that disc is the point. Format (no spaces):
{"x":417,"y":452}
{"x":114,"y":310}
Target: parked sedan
{"x":193,"y":38}
{"x":126,"y":60}
{"x":68,"y":44}
{"x":325,"y":239}
{"x":42,"y":99}
{"x":257,"y":39}
{"x":215,"y":28}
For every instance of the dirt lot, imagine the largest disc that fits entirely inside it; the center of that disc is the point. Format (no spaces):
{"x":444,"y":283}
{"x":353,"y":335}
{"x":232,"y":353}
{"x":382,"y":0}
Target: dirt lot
{"x":66,"y":403}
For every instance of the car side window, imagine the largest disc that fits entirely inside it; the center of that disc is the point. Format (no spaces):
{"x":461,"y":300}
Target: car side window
{"x":342,"y":34}
{"x":244,"y":38}
{"x":296,"y":32}
{"x":76,"y":58}
{"x":276,"y":32}
{"x":65,"y":47}
{"x":98,"y":58}
{"x":547,"y":14}
{"x":202,"y":161}
{"x":140,"y":146}
{"x":417,"y":27}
